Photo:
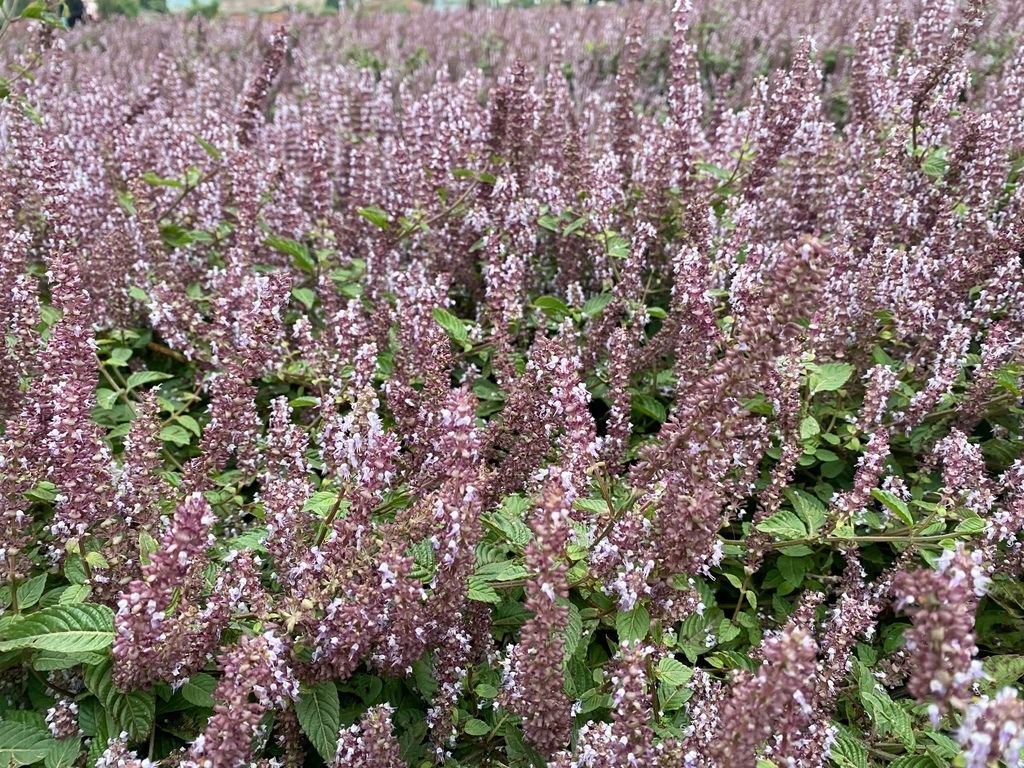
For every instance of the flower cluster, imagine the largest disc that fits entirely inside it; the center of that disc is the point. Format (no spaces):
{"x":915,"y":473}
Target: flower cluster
{"x":617,"y":386}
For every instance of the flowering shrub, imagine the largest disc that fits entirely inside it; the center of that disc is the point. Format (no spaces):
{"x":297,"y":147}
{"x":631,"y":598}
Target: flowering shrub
{"x":587,"y":388}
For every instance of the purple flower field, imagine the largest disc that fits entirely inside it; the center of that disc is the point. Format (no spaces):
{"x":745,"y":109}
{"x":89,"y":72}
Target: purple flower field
{"x":590,"y":387}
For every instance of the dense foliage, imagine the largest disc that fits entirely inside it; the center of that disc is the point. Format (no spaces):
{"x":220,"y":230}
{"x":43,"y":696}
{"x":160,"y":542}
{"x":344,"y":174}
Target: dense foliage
{"x":585,"y":387}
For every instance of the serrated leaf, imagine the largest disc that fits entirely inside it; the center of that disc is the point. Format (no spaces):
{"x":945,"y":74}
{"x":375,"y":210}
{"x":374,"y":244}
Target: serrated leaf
{"x":485,"y":691}
{"x":848,"y":751}
{"x":119,"y":356}
{"x":808,"y":507}
{"x":551,"y":305}
{"x":632,"y":626}
{"x":173,"y":433}
{"x":199,"y":690}
{"x":319,"y":712}
{"x":376,"y":216}
{"x":595,"y":305}
{"x":1004,"y":669}
{"x":49,"y":661}
{"x":452,"y":325}
{"x":809,"y":427}
{"x":894,"y":504}
{"x":971,"y":524}
{"x":475,"y":727}
{"x":597,"y":506}
{"x":189,"y":423}
{"x":298,"y":251}
{"x":573,"y":629}
{"x":482,"y":592}
{"x":506,"y":570}
{"x":106,"y":398}
{"x":62,"y":628}
{"x":515,"y":531}
{"x":673,"y":671}
{"x":30,"y":590}
{"x":305,"y":296}
{"x":784,"y":524}
{"x":74,"y":594}
{"x":792,"y":569}
{"x":45,"y":491}
{"x":828,"y":377}
{"x":648,"y":406}
{"x":913,"y":761}
{"x":133,"y":711}
{"x":147,"y":546}
{"x":139,"y":378}
{"x":156,"y":180}
{"x":727,"y":631}
{"x":64,"y":752}
{"x":22,"y":744}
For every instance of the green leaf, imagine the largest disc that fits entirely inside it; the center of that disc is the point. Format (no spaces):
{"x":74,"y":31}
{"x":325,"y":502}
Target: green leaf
{"x":189,"y":423}
{"x":971,"y":524}
{"x":809,"y":427}
{"x":298,"y":251}
{"x":894,"y":504}
{"x":934,"y":164}
{"x":199,"y":690}
{"x":673,"y":671}
{"x":808,"y":507}
{"x":452,"y":325}
{"x":648,"y":406}
{"x":376,"y":216}
{"x":106,"y":398}
{"x":506,"y":570}
{"x":482,"y":592}
{"x":74,"y":594}
{"x":829,"y":377}
{"x":551,"y":305}
{"x":119,"y":357}
{"x":30,"y":590}
{"x":784,"y":524}
{"x":211,"y":150}
{"x":147,"y":546}
{"x":305,"y":296}
{"x":22,"y":744}
{"x":633,"y":625}
{"x":133,"y":712}
{"x":157,"y":180}
{"x":139,"y":378}
{"x":573,"y":628}
{"x":48,"y":661}
{"x":62,"y":628}
{"x":45,"y":491}
{"x":848,"y":751}
{"x":727,"y":631}
{"x":485,"y":691}
{"x":1003,"y":670}
{"x":476,"y":727}
{"x":593,"y":306}
{"x":792,"y":569}
{"x":319,"y":713}
{"x":176,"y":434}
{"x":64,"y":752}
{"x":913,"y":761}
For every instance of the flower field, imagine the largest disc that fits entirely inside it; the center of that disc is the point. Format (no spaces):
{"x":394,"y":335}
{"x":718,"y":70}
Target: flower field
{"x":597,"y":387}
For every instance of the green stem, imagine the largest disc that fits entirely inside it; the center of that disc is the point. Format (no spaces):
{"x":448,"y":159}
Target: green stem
{"x":14,"y":586}
{"x":329,"y":520}
{"x":85,"y":560}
